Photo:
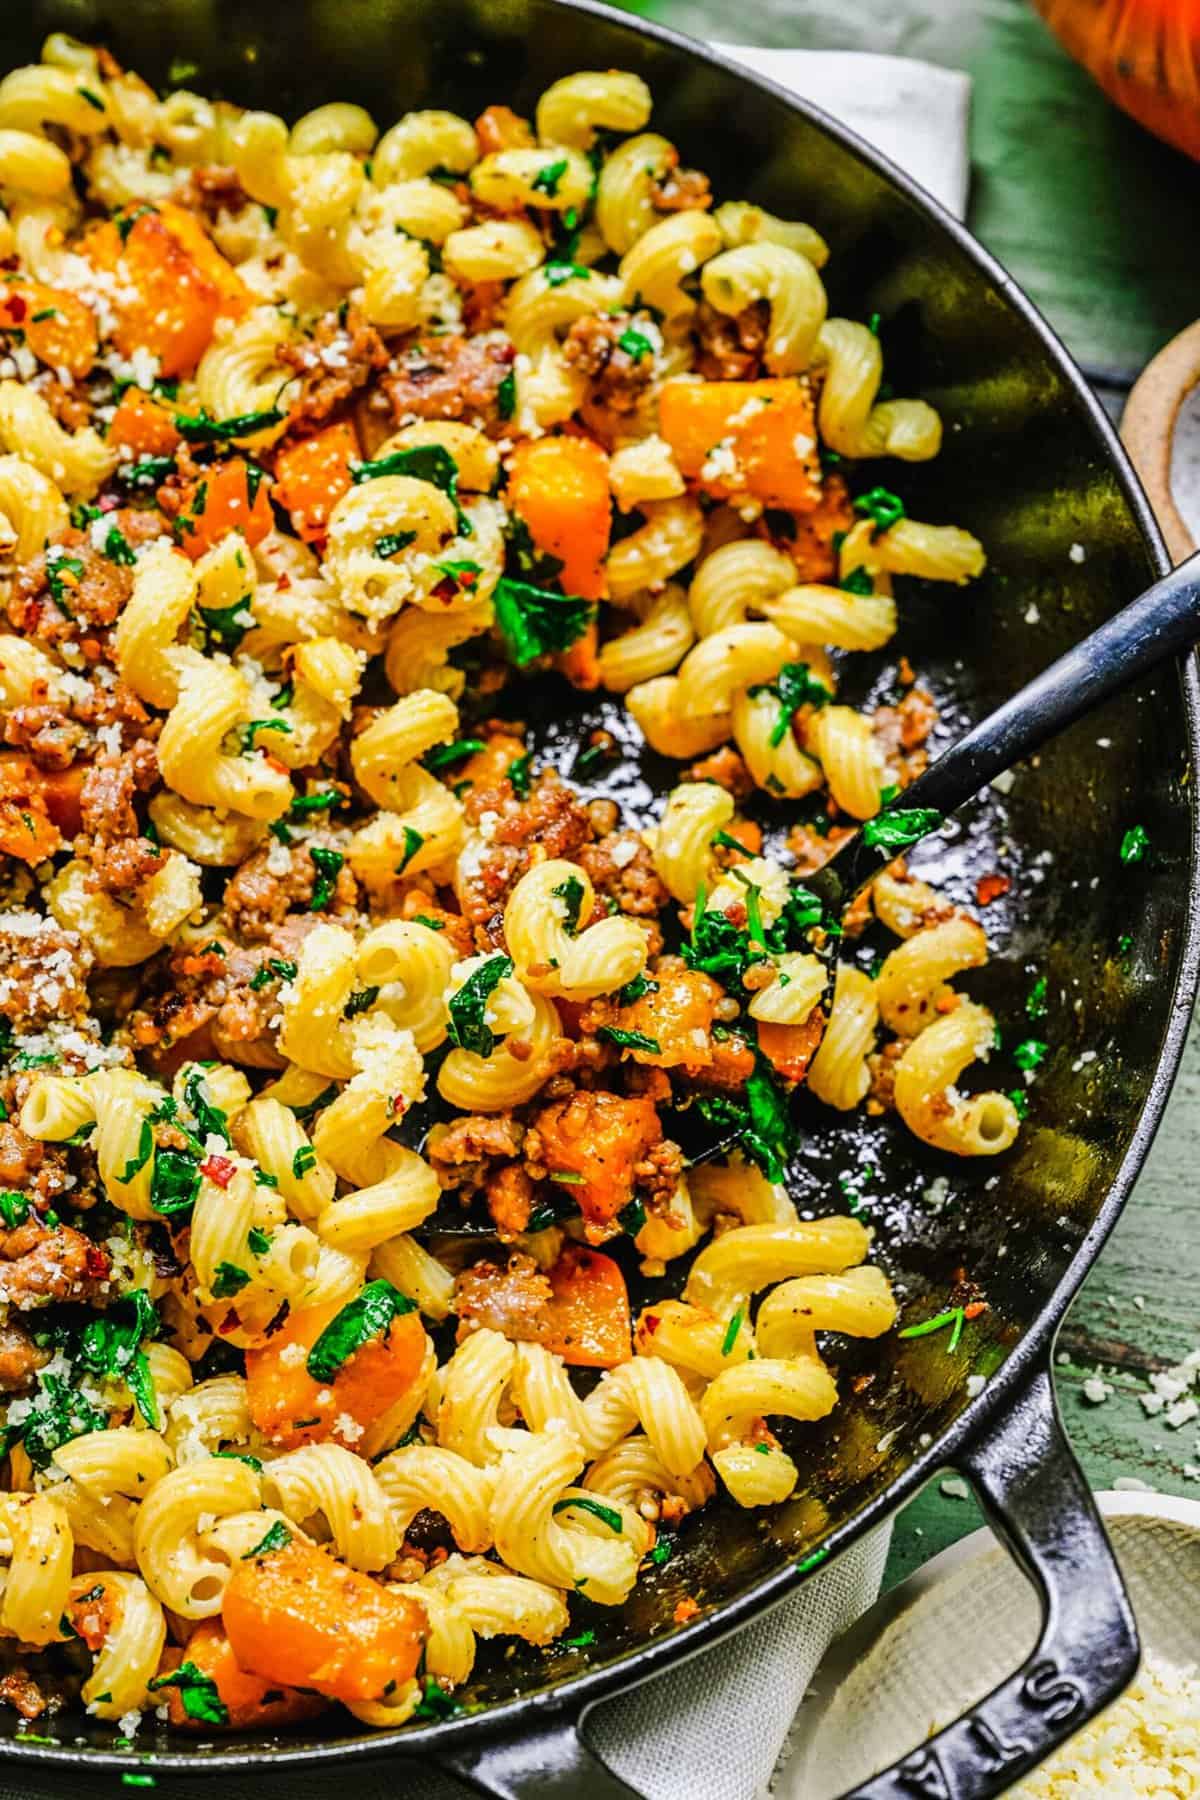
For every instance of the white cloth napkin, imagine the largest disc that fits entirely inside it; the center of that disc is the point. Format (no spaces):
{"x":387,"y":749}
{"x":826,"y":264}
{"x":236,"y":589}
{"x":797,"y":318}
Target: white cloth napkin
{"x":714,"y":1728}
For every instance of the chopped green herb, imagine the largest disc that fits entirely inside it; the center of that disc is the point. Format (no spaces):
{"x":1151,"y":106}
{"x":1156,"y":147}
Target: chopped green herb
{"x":661,"y":1552}
{"x":262,"y":1178}
{"x":258,"y":1240}
{"x":197,"y":1691}
{"x":1135,"y":844}
{"x":607,"y":1515}
{"x":248,"y":732}
{"x":392,"y":542}
{"x":896,"y":831}
{"x":118,"y":549}
{"x":583,"y":1641}
{"x":145,"y":1150}
{"x":732,"y":1330}
{"x":27,"y":1059}
{"x":430,"y":924}
{"x":14,"y":1208}
{"x":367,"y":1316}
{"x":468,"y":1024}
{"x":304,"y":1160}
{"x":229,"y":1280}
{"x":858,"y":581}
{"x":277,"y":1538}
{"x":210,"y":1120}
{"x":175,"y":1182}
{"x":224,"y":627}
{"x":1031,"y":1054}
{"x":1035,"y":999}
{"x":47,"y":312}
{"x":635,"y":344}
{"x":812,"y":1562}
{"x":629,"y":1040}
{"x":435,"y":1702}
{"x":202,"y":428}
{"x":181,"y":70}
{"x":444,"y":756}
{"x":1020,"y":1100}
{"x":150,"y":472}
{"x":570,"y":892}
{"x":361,"y":1001}
{"x":535,"y":622}
{"x":518,"y":772}
{"x":548,"y":177}
{"x":953,"y":1316}
{"x":631,"y":1218}
{"x":506,"y":396}
{"x":559,"y":273}
{"x":424,"y":462}
{"x":111,"y":1345}
{"x":323,"y":801}
{"x":881,"y":506}
{"x":1124,"y":944}
{"x":56,"y":568}
{"x":328,"y":864}
{"x":634,"y":990}
{"x":592,"y":758}
{"x":93,"y":99}
{"x":131,"y":1778}
{"x":794,"y":686}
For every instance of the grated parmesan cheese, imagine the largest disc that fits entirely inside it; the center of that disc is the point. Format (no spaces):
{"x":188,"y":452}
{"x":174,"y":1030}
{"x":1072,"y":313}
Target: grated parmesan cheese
{"x":1147,"y":1744}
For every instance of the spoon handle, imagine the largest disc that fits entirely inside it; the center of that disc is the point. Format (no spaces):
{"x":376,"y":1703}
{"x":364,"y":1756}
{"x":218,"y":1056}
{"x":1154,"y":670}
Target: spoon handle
{"x":1159,"y":624}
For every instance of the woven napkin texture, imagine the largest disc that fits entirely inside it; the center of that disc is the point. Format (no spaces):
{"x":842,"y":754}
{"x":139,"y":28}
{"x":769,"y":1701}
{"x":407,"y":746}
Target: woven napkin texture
{"x":713,"y":1729}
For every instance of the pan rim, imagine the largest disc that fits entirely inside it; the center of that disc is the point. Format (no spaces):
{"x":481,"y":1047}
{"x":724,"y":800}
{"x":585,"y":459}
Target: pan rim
{"x":575,"y":1696}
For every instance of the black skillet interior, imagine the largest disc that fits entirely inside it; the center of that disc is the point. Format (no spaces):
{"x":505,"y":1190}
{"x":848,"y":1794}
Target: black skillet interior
{"x":1023,"y":467}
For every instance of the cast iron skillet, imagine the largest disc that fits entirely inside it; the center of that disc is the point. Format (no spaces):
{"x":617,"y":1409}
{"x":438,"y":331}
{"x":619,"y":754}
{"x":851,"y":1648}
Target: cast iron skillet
{"x":1032,"y":466}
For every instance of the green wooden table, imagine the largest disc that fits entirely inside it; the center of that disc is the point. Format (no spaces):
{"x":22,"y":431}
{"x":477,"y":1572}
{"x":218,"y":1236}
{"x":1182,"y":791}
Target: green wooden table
{"x":1097,"y":221}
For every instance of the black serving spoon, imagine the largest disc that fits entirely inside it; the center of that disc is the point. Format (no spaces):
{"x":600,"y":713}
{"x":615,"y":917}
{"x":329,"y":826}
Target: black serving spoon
{"x":1161,"y":623}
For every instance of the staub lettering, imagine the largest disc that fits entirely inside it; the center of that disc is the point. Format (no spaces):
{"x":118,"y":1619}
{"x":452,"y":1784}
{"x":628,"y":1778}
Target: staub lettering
{"x":922,"y":1773}
{"x":1056,"y":1695}
{"x":1001,"y":1753}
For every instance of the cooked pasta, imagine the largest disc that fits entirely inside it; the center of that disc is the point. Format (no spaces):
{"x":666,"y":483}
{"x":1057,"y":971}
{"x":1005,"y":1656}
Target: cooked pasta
{"x":318,"y":437}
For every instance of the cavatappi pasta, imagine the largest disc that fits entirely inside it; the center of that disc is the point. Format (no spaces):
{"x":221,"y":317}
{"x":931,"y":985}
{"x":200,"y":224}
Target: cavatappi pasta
{"x":315,"y":438}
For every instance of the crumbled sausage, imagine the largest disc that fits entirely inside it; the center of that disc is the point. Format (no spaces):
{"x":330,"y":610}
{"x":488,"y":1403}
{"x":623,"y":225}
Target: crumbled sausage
{"x":728,"y":769}
{"x":512,"y":1300}
{"x":337,"y":359}
{"x":106,"y":798}
{"x":93,"y":597}
{"x":258,"y":898}
{"x":680,"y":190}
{"x":593,"y":347}
{"x":19,"y":1689}
{"x":43,"y":971}
{"x":50,"y":735}
{"x":731,"y":345}
{"x":40,"y":1264}
{"x":621,"y":867}
{"x":448,"y":378}
{"x":902,"y":731}
{"x":20,"y":1359}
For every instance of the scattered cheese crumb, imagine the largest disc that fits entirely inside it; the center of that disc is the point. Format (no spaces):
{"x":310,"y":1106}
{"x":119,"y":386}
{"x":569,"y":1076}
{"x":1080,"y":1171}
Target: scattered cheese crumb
{"x":1146,"y":1744}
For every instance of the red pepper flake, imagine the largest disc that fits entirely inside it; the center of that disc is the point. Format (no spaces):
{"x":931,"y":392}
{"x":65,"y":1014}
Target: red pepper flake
{"x":445,"y":591}
{"x":15,"y":307}
{"x":687,"y":1609}
{"x":219,"y":1169}
{"x":96,"y":1264}
{"x":109,"y":503}
{"x":651,"y":1323}
{"x":973,"y":1310}
{"x":990,"y":887}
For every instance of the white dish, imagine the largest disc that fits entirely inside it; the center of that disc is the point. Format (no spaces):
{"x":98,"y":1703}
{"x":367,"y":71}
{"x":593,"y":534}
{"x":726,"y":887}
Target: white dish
{"x":940,"y":1642}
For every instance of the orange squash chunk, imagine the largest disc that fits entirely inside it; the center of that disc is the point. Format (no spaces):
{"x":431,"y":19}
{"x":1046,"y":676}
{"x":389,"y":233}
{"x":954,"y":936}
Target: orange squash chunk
{"x":221,"y":502}
{"x":559,"y":487}
{"x":290,"y":1408}
{"x":311,"y":476}
{"x":58,"y":327}
{"x":252,"y":1701}
{"x":298,"y":1618}
{"x":141,"y":425}
{"x":751,"y":437}
{"x":163,"y":301}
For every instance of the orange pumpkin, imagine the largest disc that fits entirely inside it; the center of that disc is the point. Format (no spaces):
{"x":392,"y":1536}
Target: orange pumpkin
{"x":1145,"y":54}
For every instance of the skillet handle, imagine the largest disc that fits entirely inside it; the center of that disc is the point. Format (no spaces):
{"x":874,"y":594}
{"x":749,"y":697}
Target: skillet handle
{"x":548,"y":1759}
{"x":1034,"y":1495}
